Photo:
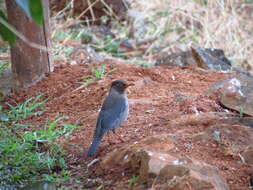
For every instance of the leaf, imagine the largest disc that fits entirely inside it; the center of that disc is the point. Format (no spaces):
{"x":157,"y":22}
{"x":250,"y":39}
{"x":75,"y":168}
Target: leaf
{"x":36,"y":10}
{"x":24,"y":4}
{"x":33,"y":9}
{"x":6,"y":34}
{"x":71,"y":126}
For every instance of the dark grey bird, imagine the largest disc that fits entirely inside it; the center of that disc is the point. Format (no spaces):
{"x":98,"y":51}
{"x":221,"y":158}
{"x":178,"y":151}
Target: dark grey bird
{"x":113,"y":112}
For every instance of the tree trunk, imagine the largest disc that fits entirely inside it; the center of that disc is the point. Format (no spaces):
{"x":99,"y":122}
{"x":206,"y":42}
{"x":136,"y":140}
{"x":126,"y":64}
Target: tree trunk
{"x":29,"y":64}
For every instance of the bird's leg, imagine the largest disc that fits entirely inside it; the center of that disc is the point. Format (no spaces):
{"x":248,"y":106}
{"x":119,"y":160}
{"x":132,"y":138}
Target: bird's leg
{"x":109,"y":139}
{"x":119,"y":137}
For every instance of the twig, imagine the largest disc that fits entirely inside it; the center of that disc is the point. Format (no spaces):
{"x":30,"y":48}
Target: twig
{"x":22,"y":37}
{"x":93,"y":162}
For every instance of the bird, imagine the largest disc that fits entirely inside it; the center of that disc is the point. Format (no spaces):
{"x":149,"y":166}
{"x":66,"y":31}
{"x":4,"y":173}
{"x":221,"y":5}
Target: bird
{"x":113,"y":113}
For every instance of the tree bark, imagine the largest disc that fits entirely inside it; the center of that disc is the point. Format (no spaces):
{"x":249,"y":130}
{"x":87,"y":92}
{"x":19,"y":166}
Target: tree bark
{"x":29,"y":64}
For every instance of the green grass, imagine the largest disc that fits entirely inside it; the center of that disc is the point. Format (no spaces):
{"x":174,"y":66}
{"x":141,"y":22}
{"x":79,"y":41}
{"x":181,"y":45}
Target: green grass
{"x":31,"y":106}
{"x":133,"y":181}
{"x":109,"y":45}
{"x":98,"y":73}
{"x":31,"y":153}
{"x":3,"y":66}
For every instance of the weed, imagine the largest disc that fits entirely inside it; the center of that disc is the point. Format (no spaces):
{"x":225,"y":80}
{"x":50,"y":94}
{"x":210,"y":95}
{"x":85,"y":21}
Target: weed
{"x":23,"y":158}
{"x":241,"y":112}
{"x":133,"y":181}
{"x":29,"y":153}
{"x":110,"y":45}
{"x":31,"y":106}
{"x":98,"y":73}
{"x":3,"y":66}
{"x":100,"y":187}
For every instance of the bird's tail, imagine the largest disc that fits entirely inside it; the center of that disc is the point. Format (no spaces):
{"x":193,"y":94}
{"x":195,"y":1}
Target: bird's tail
{"x":93,"y":148}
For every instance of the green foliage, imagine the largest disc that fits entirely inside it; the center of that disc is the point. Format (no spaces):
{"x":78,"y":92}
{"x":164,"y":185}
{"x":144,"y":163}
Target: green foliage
{"x":29,"y":153}
{"x":33,"y":9}
{"x":36,"y":10}
{"x":24,"y":4}
{"x":21,"y":111}
{"x":249,"y":1}
{"x":202,"y":2}
{"x":241,"y":112}
{"x":5,"y":33}
{"x":133,"y":181}
{"x":26,"y":155}
{"x":2,"y":67}
{"x":97,"y":74}
{"x":100,"y":72}
{"x":110,"y":45}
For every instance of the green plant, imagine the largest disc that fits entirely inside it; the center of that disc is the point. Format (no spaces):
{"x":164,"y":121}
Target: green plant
{"x":32,"y":8}
{"x":22,"y":159}
{"x":107,"y":44}
{"x":32,"y":106}
{"x":133,"y":181}
{"x":97,"y":74}
{"x":100,"y":72}
{"x":4,"y":65}
{"x":33,"y":154}
{"x":241,"y":112}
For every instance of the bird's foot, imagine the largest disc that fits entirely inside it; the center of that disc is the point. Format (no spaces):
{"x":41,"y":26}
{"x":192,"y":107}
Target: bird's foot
{"x":120,"y":138}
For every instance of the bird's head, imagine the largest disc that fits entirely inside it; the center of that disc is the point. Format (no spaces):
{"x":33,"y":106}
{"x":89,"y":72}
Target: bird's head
{"x":120,"y":86}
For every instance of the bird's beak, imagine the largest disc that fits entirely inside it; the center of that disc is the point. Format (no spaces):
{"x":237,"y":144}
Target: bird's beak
{"x":129,"y":84}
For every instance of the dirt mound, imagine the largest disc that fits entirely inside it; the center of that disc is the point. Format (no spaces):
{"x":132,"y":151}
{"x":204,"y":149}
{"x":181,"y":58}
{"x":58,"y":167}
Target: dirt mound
{"x":159,"y":95}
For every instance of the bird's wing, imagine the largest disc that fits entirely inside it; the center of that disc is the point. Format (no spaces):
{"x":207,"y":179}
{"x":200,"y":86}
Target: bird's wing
{"x":113,"y":113}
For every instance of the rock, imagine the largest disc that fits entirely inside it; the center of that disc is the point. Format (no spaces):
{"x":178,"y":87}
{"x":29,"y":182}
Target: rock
{"x":95,"y":33}
{"x":161,"y":169}
{"x":213,"y":59}
{"x":40,"y":186}
{"x":234,"y":134}
{"x":206,"y":58}
{"x":235,"y":138}
{"x":251,"y":180}
{"x":247,"y":155}
{"x":183,"y":58}
{"x":208,"y":118}
{"x":85,"y":55}
{"x":122,"y":156}
{"x":190,"y":175}
{"x":198,"y":104}
{"x":236,"y":93}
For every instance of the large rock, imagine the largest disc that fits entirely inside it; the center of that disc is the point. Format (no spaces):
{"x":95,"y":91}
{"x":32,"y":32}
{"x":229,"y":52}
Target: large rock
{"x":231,"y":134}
{"x":236,"y":93}
{"x":189,"y":174}
{"x":160,"y":169}
{"x":206,"y":58}
{"x":124,"y":155}
{"x":210,"y":58}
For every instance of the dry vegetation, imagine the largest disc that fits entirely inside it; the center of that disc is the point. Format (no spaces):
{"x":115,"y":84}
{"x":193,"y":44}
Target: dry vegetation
{"x":172,"y":25}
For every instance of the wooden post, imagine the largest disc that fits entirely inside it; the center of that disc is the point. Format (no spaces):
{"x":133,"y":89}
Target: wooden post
{"x":29,"y":64}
